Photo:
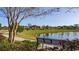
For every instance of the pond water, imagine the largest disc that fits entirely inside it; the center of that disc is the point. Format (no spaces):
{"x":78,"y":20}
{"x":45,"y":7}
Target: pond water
{"x":61,"y":35}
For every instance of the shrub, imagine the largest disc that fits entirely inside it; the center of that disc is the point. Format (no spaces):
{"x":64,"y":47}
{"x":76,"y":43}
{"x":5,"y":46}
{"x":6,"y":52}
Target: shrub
{"x":28,"y":43}
{"x":20,"y":29}
{"x":0,"y":24}
{"x":17,"y":46}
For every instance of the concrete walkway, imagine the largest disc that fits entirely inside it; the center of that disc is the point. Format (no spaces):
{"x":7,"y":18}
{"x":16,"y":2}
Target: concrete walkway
{"x":17,"y":38}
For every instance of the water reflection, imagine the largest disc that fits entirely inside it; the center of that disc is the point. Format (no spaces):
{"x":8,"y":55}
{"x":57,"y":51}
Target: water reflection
{"x":61,"y":35}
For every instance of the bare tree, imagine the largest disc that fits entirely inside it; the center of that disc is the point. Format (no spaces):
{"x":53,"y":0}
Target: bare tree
{"x":15,"y":15}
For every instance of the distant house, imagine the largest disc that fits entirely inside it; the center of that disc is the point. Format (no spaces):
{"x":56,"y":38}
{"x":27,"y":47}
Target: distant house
{"x":50,"y":43}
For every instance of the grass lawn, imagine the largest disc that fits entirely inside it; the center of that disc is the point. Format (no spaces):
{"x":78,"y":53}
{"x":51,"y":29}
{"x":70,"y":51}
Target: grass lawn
{"x":30,"y":34}
{"x":3,"y":30}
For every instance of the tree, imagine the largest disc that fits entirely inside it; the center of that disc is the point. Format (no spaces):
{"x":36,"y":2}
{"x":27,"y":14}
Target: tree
{"x":15,"y":15}
{"x":20,"y":28}
{"x":0,"y":25}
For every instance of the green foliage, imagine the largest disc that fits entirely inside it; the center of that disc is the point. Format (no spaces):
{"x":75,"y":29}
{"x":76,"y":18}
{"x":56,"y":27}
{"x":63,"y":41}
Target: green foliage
{"x":70,"y":46}
{"x":4,"y":44}
{"x":28,"y":43}
{"x":20,"y":29}
{"x":17,"y":46}
{"x":4,"y":28}
{"x":0,"y":25}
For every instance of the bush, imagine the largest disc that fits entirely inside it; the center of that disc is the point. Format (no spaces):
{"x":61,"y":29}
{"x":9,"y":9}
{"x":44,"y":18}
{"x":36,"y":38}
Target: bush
{"x":28,"y":43}
{"x":0,"y":25}
{"x":25,"y":46}
{"x":20,"y":29}
{"x":17,"y":46}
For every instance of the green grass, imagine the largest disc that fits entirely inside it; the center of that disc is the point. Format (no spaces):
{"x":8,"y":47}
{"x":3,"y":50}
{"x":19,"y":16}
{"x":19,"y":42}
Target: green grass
{"x":30,"y":34}
{"x":2,"y":30}
{"x":16,"y":46}
{"x":26,"y":45}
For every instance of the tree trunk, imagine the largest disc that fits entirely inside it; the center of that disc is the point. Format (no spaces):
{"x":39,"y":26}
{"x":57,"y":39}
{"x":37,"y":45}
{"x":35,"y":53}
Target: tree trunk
{"x":12,"y":33}
{"x":10,"y":36}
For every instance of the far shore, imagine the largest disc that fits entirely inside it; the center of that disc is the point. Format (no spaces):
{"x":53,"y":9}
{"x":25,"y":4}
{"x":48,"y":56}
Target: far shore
{"x":31,"y":34}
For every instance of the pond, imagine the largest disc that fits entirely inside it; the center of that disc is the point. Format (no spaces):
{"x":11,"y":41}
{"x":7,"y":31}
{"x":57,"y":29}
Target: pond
{"x":61,"y":35}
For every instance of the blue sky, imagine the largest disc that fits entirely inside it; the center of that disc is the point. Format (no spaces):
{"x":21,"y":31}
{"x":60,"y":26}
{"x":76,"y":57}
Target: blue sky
{"x":56,"y":19}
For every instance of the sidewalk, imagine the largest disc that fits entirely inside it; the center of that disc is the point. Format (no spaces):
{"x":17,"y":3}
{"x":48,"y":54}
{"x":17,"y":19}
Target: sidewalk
{"x":17,"y":38}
